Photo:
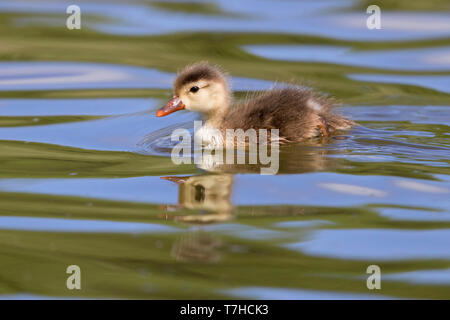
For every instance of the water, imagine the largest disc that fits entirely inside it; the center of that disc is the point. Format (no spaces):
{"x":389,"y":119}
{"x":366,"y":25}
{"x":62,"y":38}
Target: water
{"x":86,"y":176}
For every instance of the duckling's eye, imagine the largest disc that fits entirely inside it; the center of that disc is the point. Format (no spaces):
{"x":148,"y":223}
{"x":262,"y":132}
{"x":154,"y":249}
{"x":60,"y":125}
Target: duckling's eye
{"x":194,"y":89}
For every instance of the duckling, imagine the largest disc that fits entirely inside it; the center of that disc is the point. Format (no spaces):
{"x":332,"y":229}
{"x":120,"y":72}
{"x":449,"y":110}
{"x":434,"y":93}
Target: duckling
{"x":298,"y":113}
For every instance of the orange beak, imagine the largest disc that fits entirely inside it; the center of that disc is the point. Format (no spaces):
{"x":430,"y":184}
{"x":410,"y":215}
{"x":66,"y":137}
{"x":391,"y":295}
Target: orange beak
{"x":173,"y":105}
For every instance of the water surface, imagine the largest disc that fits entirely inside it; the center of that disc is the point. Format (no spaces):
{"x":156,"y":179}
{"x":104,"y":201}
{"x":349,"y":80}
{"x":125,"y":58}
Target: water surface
{"x":86,"y":176}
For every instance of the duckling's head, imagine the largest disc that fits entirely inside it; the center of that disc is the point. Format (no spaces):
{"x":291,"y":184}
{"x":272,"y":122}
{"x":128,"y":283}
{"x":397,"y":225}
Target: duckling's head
{"x":200,"y":87}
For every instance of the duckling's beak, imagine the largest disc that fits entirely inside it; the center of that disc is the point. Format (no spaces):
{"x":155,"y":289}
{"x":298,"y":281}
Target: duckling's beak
{"x":173,"y":105}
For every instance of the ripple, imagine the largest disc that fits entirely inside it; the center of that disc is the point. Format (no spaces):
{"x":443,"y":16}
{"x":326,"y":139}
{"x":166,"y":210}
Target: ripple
{"x":397,"y":25}
{"x":73,"y":107}
{"x":72,"y":225}
{"x":434,"y":277}
{"x":159,"y":142}
{"x":436,"y":82}
{"x":141,"y":189}
{"x":437,"y":59}
{"x":414,"y":215}
{"x":303,"y":224}
{"x":78,"y":75}
{"x":267,"y":293}
{"x":415,"y":114}
{"x":294,"y":189}
{"x":377,"y":244}
{"x":320,"y":18}
{"x":353,"y":189}
{"x":420,"y":186}
{"x":245,"y":231}
{"x":122,"y":132}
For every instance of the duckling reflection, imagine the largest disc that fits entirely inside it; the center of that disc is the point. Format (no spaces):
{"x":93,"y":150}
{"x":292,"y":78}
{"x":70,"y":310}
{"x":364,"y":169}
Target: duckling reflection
{"x":210,"y":193}
{"x":197,"y":247}
{"x":308,"y":157}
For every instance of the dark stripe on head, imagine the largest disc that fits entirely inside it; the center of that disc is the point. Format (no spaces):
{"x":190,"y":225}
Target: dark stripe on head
{"x":196,"y":72}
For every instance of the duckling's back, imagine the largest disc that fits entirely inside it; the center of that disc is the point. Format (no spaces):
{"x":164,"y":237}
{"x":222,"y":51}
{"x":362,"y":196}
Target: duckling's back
{"x":298,"y":114}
